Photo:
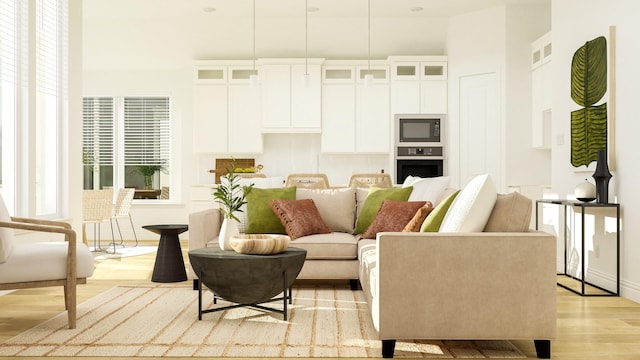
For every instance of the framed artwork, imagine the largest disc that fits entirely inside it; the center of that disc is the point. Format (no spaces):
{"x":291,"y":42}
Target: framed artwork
{"x":593,"y":91}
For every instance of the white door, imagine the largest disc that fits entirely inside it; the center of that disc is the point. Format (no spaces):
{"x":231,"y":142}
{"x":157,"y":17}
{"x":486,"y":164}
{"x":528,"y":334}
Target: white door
{"x":481,"y":136}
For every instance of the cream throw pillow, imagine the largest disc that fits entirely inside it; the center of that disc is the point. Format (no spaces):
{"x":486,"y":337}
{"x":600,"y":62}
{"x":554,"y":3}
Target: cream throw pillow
{"x":470,"y":210}
{"x":337,"y":207}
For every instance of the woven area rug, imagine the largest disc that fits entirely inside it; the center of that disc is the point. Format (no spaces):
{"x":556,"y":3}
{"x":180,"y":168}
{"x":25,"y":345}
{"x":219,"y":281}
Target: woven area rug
{"x":122,"y":252}
{"x":162,"y":320}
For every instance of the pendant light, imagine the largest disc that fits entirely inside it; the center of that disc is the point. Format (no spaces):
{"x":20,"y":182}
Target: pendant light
{"x":253,"y":78}
{"x":306,"y":77}
{"x":368,"y":78}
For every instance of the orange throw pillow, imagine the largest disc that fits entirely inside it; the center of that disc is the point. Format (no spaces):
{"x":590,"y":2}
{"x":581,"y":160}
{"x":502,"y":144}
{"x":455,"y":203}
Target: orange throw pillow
{"x":392,"y":216}
{"x":299,"y":217}
{"x":422,"y":213}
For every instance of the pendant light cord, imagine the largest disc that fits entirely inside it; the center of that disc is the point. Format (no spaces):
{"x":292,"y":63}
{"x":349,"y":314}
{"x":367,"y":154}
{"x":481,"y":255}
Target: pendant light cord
{"x":369,"y":36}
{"x":254,"y":35}
{"x":306,"y":37}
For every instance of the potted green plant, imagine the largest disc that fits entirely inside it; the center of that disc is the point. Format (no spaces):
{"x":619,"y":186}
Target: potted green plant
{"x":147,"y":171}
{"x":231,"y":196}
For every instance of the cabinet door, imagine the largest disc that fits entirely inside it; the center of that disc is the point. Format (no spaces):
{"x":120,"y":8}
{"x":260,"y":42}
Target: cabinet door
{"x":433,"y":97}
{"x":276,"y":96}
{"x":245,"y":134}
{"x":338,"y":118}
{"x":210,"y":118}
{"x":306,"y":100}
{"x":373,"y":119}
{"x":405,"y":97}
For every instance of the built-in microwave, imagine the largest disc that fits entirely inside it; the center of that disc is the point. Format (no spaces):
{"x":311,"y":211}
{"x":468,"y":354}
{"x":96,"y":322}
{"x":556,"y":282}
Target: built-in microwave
{"x":414,"y":129}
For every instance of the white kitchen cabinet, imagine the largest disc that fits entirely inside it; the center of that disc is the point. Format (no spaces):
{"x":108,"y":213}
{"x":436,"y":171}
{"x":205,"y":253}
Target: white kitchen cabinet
{"x":541,"y":92}
{"x":226,"y":110}
{"x":289,"y":105}
{"x":210,"y":118}
{"x":245,"y":135}
{"x":338,"y":118}
{"x":355,"y":118}
{"x":418,"y":86}
{"x":373,"y":119}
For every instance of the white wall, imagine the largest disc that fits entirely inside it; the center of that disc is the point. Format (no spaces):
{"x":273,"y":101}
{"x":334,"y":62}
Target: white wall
{"x":574,"y":23}
{"x":495,"y":42}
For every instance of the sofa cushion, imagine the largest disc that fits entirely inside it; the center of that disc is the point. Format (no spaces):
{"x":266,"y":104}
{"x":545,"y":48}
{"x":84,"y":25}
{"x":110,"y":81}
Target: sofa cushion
{"x":37,"y":261}
{"x":433,"y":221}
{"x":426,"y":189}
{"x":6,"y":234}
{"x":470,"y":210}
{"x":374,"y":201}
{"x":334,"y":246}
{"x":299,"y":217}
{"x":418,"y":218}
{"x":336,"y":206}
{"x":260,"y":217}
{"x":511,"y":213}
{"x":392,"y":216}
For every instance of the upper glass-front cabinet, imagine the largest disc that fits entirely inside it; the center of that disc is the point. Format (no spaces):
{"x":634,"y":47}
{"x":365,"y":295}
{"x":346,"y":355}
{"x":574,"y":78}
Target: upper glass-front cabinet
{"x":426,"y":70}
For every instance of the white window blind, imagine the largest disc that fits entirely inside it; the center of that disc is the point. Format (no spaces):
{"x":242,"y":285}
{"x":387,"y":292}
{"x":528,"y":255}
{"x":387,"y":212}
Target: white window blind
{"x":147,"y":131}
{"x":97,"y":131}
{"x":8,"y":39}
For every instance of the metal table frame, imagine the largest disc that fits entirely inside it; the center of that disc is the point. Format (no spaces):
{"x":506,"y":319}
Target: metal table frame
{"x":566,"y":204}
{"x":287,"y":297}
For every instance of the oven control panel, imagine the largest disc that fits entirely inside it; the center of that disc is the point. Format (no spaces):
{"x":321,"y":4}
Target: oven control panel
{"x":426,"y":151}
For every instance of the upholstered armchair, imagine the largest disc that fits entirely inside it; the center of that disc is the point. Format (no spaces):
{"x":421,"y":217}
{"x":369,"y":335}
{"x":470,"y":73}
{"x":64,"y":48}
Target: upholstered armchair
{"x":49,"y":262}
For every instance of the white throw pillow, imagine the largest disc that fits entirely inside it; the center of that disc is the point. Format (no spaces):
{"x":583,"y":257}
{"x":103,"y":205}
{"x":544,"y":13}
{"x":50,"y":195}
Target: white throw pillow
{"x":427,"y":189}
{"x":6,"y":234}
{"x":472,"y":207}
{"x":337,"y":207}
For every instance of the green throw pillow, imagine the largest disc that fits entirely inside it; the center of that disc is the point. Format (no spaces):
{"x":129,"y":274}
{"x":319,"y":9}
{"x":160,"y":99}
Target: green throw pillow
{"x":374,"y":201}
{"x":260,"y":218}
{"x":434,"y":219}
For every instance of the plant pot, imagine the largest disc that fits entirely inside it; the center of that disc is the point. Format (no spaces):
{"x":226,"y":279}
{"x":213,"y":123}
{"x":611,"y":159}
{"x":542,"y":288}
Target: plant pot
{"x":228,"y":229}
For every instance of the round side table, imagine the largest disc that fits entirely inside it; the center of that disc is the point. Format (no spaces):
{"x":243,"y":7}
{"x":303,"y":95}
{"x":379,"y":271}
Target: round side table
{"x":247,"y":280}
{"x":169,"y":265}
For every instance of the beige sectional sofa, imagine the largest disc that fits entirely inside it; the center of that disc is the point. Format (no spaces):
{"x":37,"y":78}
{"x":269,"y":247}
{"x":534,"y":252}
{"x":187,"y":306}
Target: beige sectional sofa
{"x":460,"y":283}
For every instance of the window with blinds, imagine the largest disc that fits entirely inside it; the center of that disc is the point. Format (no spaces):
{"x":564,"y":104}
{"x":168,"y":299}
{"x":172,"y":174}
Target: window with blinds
{"x":146,"y":131}
{"x":8,"y":50}
{"x":33,"y":95}
{"x":127,"y":143}
{"x":98,"y":141}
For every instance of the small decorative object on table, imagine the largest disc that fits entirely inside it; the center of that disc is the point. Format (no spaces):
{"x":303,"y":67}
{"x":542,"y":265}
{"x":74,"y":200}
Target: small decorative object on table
{"x":259,"y":244}
{"x":602,"y":177}
{"x":585,"y":191}
{"x":231,"y":196}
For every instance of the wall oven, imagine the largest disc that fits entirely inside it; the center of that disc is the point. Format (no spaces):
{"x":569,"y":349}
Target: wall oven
{"x":420,"y":146}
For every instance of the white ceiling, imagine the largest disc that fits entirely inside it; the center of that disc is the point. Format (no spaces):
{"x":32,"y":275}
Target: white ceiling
{"x":172,"y":33}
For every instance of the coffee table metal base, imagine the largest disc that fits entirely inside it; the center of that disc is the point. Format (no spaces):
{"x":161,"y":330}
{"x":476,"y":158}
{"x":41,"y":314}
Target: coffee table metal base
{"x":286,"y":298}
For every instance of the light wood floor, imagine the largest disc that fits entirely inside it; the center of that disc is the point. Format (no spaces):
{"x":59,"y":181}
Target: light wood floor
{"x":588,"y":327}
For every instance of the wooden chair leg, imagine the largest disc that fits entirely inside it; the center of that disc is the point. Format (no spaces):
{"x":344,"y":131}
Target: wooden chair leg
{"x":70,"y":304}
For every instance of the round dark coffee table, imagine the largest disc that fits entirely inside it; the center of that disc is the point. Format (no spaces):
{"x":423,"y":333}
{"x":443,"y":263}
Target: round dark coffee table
{"x":169,"y":265}
{"x":247,"y":280}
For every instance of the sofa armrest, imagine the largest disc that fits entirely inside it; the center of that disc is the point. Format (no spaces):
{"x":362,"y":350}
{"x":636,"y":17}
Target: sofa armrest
{"x":466,"y":285}
{"x":204,"y":226}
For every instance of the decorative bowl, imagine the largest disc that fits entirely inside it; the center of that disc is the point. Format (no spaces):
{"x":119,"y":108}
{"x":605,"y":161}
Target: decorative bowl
{"x":259,"y":244}
{"x":589,"y":199}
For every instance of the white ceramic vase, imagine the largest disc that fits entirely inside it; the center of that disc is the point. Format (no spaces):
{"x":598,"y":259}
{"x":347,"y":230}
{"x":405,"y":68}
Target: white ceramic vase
{"x":228,"y":229}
